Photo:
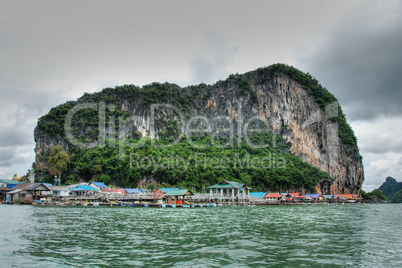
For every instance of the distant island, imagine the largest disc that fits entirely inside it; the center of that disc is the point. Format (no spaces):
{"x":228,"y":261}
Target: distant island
{"x":389,"y":191}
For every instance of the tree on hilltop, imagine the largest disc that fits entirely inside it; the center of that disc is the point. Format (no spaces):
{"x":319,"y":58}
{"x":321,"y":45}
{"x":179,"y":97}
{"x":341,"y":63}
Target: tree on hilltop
{"x":57,"y":161}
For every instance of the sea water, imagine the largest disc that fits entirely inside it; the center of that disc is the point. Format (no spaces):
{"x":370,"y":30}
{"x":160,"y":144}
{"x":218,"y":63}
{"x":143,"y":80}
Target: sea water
{"x":362,"y":235}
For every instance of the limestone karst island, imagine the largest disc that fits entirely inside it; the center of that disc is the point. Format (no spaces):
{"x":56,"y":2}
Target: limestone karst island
{"x":270,"y":136}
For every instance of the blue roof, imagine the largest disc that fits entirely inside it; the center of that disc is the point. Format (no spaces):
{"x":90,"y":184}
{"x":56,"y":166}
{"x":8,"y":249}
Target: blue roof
{"x":165,"y":190}
{"x":134,"y":190}
{"x":84,"y":188}
{"x":99,"y":184}
{"x":48,"y":184}
{"x":313,"y":195}
{"x":258,"y":194}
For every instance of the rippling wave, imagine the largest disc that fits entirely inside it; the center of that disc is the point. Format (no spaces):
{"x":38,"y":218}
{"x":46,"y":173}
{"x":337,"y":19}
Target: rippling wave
{"x":282,"y":236}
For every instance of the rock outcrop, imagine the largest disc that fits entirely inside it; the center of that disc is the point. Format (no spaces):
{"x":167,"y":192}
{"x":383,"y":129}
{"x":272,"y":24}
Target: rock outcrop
{"x":278,"y":99}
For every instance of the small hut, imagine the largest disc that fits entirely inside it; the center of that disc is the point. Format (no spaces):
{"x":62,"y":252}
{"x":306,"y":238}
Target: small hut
{"x":273,"y":196}
{"x":177,"y":196}
{"x":98,"y":185}
{"x":27,"y":191}
{"x":83,"y":191}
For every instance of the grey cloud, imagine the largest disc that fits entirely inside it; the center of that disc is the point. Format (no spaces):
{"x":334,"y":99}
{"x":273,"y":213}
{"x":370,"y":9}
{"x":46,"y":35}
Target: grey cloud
{"x":15,"y":156}
{"x":360,"y":61}
{"x":212,"y":63}
{"x":7,"y":156}
{"x":14,"y":136}
{"x":380,"y":144}
{"x":380,"y":136}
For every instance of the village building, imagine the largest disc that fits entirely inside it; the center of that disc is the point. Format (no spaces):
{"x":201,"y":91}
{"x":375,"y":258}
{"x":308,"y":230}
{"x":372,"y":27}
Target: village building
{"x":257,"y":194}
{"x":8,"y":183}
{"x":229,"y":188}
{"x":59,"y":192}
{"x":165,"y":190}
{"x":114,"y":191}
{"x":328,"y":198}
{"x":315,"y":197}
{"x":83,"y":191}
{"x":98,"y":185}
{"x":306,"y":198}
{"x":26,"y":192}
{"x":3,"y":193}
{"x":50,"y":192}
{"x":135,"y":191}
{"x":177,"y":196}
{"x":273,"y":197}
{"x":288,"y":197}
{"x":351,"y":198}
{"x":295,"y":196}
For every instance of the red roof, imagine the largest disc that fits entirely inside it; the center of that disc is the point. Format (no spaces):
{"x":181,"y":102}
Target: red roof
{"x":158,"y":195}
{"x":113,"y":190}
{"x":296,"y":195}
{"x":272,"y":195}
{"x":349,"y":196}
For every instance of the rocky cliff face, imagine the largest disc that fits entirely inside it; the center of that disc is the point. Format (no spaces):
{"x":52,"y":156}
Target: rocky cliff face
{"x":311,"y":132}
{"x":267,"y":99}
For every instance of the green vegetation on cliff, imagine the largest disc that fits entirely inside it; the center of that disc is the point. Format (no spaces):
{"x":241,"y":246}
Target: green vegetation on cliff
{"x":185,"y":166}
{"x":390,"y":188}
{"x":183,"y":98}
{"x":397,"y":197}
{"x":375,"y":196}
{"x":102,"y":163}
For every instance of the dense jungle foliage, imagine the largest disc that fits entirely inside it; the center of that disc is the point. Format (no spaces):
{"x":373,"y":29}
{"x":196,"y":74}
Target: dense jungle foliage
{"x":193,"y":167}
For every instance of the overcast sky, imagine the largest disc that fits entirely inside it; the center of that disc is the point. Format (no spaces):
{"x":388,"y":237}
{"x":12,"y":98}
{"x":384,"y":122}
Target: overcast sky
{"x":54,"y":51}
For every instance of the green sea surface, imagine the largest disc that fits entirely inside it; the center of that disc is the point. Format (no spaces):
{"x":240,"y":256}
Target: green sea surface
{"x":359,"y":235}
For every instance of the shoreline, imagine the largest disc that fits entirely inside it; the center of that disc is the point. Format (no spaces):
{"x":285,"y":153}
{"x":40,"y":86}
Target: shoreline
{"x":164,"y":205}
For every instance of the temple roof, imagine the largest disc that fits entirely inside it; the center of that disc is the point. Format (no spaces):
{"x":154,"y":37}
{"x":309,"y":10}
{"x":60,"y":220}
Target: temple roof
{"x":229,"y":185}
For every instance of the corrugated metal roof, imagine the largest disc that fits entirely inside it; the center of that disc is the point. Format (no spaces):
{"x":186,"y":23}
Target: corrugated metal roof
{"x":179,"y":192}
{"x":258,"y":194}
{"x":30,"y":186}
{"x":5,"y":189}
{"x":159,"y":192}
{"x":113,"y":190}
{"x":84,"y":188}
{"x":294,"y":194}
{"x":134,"y":190}
{"x":99,"y":184}
{"x":165,"y":190}
{"x":348,"y":196}
{"x":229,"y":185}
{"x":36,"y":185}
{"x":340,"y":197}
{"x":6,"y":181}
{"x":313,"y":195}
{"x":272,"y":195}
{"x":15,"y":191}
